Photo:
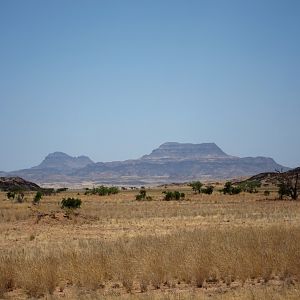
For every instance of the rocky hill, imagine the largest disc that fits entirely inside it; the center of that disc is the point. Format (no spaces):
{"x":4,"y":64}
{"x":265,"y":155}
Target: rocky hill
{"x":170,"y":162}
{"x":274,"y":178}
{"x":17,"y":183}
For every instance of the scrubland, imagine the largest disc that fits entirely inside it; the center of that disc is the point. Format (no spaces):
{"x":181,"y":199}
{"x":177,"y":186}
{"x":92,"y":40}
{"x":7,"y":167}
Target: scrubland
{"x":244,"y":246}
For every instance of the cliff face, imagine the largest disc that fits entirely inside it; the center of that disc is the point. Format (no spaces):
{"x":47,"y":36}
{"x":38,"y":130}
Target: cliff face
{"x":170,"y":162}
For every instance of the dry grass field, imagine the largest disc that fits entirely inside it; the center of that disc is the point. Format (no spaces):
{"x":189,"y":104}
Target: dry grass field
{"x":244,"y":246}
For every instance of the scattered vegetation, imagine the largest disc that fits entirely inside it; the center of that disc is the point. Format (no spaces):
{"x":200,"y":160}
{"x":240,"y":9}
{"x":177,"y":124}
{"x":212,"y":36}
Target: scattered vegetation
{"x":120,"y":246}
{"x":230,"y":189}
{"x":250,"y":186}
{"x":18,"y":196}
{"x":143,"y":195}
{"x":48,"y":191}
{"x":11,"y":195}
{"x":207,"y":190}
{"x":173,"y":195}
{"x":60,"y":190}
{"x":197,"y":187}
{"x":102,"y":190}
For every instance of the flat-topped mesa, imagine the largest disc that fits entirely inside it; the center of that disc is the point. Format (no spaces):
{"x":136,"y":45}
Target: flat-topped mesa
{"x":60,"y":160}
{"x":185,"y":151}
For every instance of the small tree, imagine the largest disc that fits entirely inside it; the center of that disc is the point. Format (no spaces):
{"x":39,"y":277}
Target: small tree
{"x":37,"y":198}
{"x":288,"y":186}
{"x":227,"y":188}
{"x":196,"y":186}
{"x":173,"y":195}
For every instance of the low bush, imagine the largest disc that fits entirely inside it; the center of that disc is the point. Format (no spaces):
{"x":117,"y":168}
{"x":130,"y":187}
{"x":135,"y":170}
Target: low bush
{"x":71,"y":203}
{"x":11,"y":195}
{"x":208,"y":190}
{"x":142,"y":195}
{"x":230,"y":189}
{"x":250,"y":186}
{"x":173,"y":195}
{"x":61,"y":190}
{"x":37,"y":198}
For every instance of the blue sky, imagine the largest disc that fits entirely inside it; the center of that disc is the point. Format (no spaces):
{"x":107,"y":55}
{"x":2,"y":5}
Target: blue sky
{"x":115,"y":79}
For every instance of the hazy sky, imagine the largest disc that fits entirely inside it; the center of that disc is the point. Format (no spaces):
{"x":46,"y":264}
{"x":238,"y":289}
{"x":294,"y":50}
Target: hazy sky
{"x":115,"y":79}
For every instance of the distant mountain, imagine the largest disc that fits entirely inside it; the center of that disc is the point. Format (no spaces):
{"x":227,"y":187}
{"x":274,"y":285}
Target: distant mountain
{"x":63,"y":162}
{"x":180,"y":151}
{"x":170,"y":162}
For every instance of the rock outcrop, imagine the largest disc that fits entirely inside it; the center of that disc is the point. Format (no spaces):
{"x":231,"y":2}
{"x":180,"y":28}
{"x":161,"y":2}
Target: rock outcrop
{"x":17,"y":183}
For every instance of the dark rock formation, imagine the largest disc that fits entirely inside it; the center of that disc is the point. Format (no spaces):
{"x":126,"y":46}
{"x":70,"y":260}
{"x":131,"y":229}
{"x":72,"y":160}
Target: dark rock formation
{"x":17,"y":183}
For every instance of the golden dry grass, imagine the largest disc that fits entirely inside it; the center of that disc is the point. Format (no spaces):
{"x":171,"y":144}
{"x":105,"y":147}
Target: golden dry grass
{"x":225,"y":247}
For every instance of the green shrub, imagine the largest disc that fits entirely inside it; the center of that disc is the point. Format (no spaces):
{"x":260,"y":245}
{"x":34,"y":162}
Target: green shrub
{"x":16,"y":195}
{"x":37,"y":198}
{"x":283,"y":190}
{"x":208,"y":190}
{"x":196,"y":186}
{"x":173,"y":195}
{"x":142,"y":195}
{"x":250,"y":186}
{"x":71,"y":203}
{"x":230,"y":189}
{"x":11,"y":195}
{"x":235,"y":190}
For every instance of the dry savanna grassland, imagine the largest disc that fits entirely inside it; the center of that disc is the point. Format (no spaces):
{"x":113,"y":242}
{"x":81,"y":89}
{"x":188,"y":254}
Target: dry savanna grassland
{"x":244,"y":246}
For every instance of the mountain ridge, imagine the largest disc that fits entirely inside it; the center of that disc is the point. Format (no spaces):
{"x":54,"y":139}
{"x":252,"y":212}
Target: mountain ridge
{"x":170,"y":162}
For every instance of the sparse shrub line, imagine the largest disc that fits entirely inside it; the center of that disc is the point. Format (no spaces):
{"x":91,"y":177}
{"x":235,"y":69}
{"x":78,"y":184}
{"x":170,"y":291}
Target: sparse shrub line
{"x":102,"y":190}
